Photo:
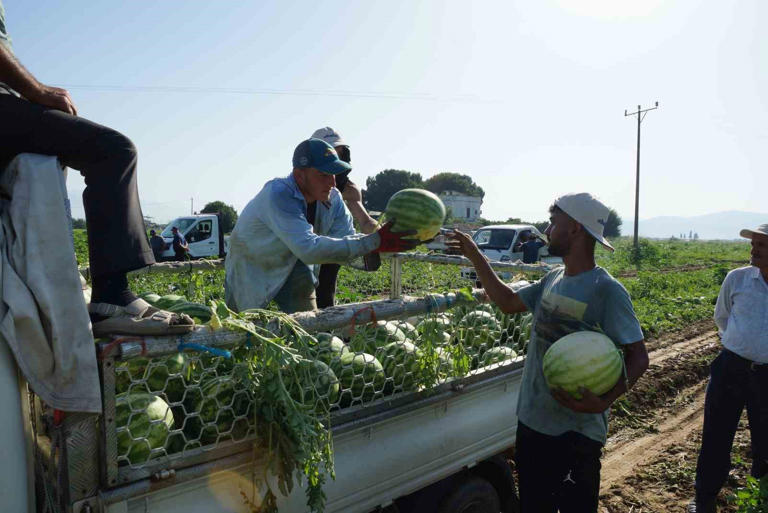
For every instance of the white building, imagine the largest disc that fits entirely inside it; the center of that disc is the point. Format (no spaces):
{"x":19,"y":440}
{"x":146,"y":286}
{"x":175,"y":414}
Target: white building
{"x":462,"y":206}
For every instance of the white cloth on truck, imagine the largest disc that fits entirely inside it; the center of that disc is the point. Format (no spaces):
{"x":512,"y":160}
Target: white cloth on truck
{"x":43,"y":315}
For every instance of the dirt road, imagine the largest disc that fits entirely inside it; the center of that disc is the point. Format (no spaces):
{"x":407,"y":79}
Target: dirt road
{"x":650,"y":458}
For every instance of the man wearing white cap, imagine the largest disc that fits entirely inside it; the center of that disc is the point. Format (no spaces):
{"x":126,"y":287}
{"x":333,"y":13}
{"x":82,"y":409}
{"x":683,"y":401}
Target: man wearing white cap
{"x":353,"y":198}
{"x":738,"y":376}
{"x":559,"y":437}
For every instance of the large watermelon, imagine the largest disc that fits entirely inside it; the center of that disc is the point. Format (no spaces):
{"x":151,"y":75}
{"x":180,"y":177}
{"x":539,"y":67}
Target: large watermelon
{"x":223,"y":411}
{"x":497,"y":355}
{"x":583,"y":359}
{"x":361,"y":376}
{"x":437,"y":323}
{"x":418,"y":210}
{"x":313,"y":384}
{"x":369,"y":338}
{"x":147,"y":419}
{"x":328,"y":347}
{"x":401,"y":365}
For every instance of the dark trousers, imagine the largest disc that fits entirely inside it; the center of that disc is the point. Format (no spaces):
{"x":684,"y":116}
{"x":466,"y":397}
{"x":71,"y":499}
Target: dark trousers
{"x":733,"y":384}
{"x":117,"y":239}
{"x":326,"y":286}
{"x":557,"y":473}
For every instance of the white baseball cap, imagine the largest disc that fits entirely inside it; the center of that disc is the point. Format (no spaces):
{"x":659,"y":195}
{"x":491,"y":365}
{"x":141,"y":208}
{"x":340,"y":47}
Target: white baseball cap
{"x":329,"y":135}
{"x":588,"y":211}
{"x":762,"y":230}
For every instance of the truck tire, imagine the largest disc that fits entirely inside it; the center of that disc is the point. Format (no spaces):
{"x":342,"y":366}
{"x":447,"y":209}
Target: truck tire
{"x":473,"y":495}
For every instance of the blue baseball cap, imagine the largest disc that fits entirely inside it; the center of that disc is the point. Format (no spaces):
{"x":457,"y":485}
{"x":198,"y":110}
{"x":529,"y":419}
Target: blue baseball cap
{"x":320,"y":155}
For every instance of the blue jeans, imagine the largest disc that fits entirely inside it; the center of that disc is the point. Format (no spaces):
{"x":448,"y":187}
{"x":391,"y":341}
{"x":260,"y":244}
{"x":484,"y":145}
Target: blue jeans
{"x":733,"y":384}
{"x":298,"y":292}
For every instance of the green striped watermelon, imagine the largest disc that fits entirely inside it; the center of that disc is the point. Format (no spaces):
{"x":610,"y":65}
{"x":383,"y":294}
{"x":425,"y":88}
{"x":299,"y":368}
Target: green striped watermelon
{"x":147,"y":419}
{"x":328,"y":347}
{"x":369,"y":338}
{"x":416,"y":209}
{"x":401,"y":365}
{"x":583,"y":359}
{"x":361,"y":376}
{"x":497,"y":355}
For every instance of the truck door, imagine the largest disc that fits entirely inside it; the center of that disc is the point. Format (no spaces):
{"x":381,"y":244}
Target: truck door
{"x":202,"y":242}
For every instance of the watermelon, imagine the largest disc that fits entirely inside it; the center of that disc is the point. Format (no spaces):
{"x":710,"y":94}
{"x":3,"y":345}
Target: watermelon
{"x":223,"y":411}
{"x":497,"y":355}
{"x":478,"y":318}
{"x":150,"y":297}
{"x":438,"y":323}
{"x":361,"y":377}
{"x":583,"y":359}
{"x":445,"y":366}
{"x":408,"y":329}
{"x":371,"y":337}
{"x":418,"y":210}
{"x":314,"y":384}
{"x":143,"y":422}
{"x":169,"y":300}
{"x":401,"y":365}
{"x":195,"y":310}
{"x":328,"y":347}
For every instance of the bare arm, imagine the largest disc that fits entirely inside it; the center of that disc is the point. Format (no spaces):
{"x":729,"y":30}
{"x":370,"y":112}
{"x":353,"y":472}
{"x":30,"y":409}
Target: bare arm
{"x":21,"y":80}
{"x":636,"y":361}
{"x":354,"y":200}
{"x":497,"y":290}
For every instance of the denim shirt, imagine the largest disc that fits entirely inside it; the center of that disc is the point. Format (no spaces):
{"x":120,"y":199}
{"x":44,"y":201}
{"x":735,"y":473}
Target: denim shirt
{"x":272,"y":233}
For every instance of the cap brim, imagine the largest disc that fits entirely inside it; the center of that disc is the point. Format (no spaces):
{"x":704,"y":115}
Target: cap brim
{"x":334,"y":168}
{"x":602,"y":240}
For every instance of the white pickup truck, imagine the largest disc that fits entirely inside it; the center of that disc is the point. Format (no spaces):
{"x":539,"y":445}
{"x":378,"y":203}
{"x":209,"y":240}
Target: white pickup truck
{"x":503,"y":243}
{"x":441,"y":450}
{"x":202,"y":232}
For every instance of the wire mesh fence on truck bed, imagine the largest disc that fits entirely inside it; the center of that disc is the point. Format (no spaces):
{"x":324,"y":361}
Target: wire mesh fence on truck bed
{"x":176,"y":402}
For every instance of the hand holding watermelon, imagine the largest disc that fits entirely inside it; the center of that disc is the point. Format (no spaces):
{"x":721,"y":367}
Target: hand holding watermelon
{"x":589,"y":402}
{"x":395,"y":242}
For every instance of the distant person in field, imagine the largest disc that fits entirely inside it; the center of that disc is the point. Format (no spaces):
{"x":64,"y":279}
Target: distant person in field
{"x":531,"y":249}
{"x":180,"y":245}
{"x":353,"y":198}
{"x":276,"y":245}
{"x":738,"y":376}
{"x":38,"y":118}
{"x":158,"y":245}
{"x":560,"y":438}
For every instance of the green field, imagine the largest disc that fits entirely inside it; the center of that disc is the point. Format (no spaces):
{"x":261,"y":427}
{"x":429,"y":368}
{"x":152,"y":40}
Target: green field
{"x":666,"y":298}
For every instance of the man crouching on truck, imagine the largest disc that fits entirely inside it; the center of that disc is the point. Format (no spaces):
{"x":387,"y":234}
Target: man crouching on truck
{"x":276,"y":242}
{"x":560,"y":438}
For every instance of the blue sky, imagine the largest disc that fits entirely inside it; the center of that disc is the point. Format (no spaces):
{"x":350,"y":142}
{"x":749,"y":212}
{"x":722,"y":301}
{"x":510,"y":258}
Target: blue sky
{"x":526,"y":97}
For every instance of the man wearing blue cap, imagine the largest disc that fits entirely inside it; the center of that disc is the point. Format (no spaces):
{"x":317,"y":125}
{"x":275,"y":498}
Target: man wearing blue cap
{"x":274,"y":248}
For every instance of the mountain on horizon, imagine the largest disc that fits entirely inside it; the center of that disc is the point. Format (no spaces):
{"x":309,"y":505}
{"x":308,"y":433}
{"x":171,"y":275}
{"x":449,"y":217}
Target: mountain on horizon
{"x":716,"y":226}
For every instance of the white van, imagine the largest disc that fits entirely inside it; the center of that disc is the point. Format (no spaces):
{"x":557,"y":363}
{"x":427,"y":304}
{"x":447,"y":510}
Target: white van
{"x":202,"y":232}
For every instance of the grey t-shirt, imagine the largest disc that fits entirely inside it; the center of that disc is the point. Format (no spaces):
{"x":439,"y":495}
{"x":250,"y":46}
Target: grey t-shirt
{"x":593,"y":301}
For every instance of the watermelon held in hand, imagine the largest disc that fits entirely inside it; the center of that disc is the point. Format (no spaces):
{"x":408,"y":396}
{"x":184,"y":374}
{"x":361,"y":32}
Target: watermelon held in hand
{"x":583,"y":359}
{"x":418,"y":210}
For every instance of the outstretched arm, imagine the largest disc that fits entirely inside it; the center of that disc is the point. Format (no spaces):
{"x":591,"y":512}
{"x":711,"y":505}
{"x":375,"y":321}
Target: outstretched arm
{"x":21,"y":80}
{"x":497,"y":290}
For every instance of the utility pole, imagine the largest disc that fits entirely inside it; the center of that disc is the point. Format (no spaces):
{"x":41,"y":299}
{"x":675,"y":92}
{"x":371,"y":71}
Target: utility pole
{"x":191,"y":206}
{"x":640,"y":113}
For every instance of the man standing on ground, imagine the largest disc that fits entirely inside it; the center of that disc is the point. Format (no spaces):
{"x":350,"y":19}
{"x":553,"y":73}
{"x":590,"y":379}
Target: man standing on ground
{"x":738,"y":376}
{"x":37,"y":118}
{"x":531,"y":249}
{"x":158,"y":245}
{"x":180,"y":245}
{"x":560,"y":438}
{"x":353,"y":198}
{"x":274,"y":247}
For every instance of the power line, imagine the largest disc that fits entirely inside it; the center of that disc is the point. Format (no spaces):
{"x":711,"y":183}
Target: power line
{"x":284,"y":92}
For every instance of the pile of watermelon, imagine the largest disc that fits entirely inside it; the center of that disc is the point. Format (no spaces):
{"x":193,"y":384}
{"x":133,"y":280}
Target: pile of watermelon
{"x":180,"y":402}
